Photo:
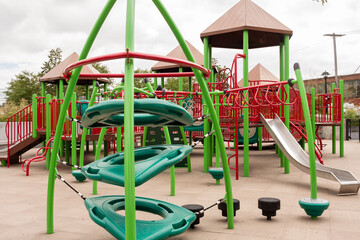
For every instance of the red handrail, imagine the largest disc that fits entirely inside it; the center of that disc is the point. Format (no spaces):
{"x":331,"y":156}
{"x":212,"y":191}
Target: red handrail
{"x":18,"y":127}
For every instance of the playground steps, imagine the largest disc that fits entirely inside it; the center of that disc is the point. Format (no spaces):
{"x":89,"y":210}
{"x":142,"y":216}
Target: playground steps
{"x":16,"y":150}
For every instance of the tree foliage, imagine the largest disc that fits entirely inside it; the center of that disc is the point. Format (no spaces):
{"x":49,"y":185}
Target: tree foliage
{"x":322,"y":1}
{"x":22,"y":87}
{"x":172,"y":84}
{"x":54,"y":58}
{"x":10,"y":108}
{"x":351,"y":114}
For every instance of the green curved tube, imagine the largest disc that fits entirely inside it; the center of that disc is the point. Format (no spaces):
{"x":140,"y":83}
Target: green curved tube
{"x":201,"y":80}
{"x":309,"y":133}
{"x":59,"y":128}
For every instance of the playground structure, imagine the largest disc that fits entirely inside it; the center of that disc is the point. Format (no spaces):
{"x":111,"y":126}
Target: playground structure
{"x":229,"y":107}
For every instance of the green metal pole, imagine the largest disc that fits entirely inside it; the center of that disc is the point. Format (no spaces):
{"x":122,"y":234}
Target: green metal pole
{"x":313,"y":109}
{"x":209,"y":63}
{"x":282,"y":78}
{"x":286,"y":107}
{"x":85,"y":131}
{"x":260,"y":138}
{"x":48,"y":127}
{"x":61,"y":96}
{"x":207,"y":99}
{"x":302,"y":143}
{"x":67,"y":151}
{"x":57,"y":91}
{"x":118,"y":139}
{"x":217,"y":109}
{"x":310,"y":136}
{"x":87,"y":97}
{"x":333,"y":127}
{"x":94,"y":91}
{"x":61,"y":89}
{"x":180,"y":80}
{"x":182,"y":128}
{"x":129,"y":168}
{"x":34,"y":116}
{"x":43,"y":95}
{"x":155,"y":80}
{"x":246,"y":109}
{"x":59,"y":128}
{"x":73,"y":131}
{"x":168,"y":141}
{"x":207,"y":143}
{"x":162,"y":82}
{"x":97,"y":154}
{"x":341,"y":85}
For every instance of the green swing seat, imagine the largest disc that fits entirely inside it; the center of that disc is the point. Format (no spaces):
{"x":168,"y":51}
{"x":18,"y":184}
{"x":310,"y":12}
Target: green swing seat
{"x":176,"y":220}
{"x":148,"y":112}
{"x":149,"y":162}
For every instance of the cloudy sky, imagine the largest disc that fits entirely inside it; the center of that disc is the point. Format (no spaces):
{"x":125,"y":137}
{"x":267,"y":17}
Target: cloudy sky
{"x":29,"y":29}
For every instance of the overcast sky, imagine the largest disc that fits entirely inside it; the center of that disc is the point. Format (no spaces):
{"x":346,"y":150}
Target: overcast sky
{"x":29,"y":29}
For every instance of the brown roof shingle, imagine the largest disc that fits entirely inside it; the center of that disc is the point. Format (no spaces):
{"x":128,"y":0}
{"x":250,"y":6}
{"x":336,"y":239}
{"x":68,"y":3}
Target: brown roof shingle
{"x":259,"y":72}
{"x":178,"y":53}
{"x":264,"y":29}
{"x":56,"y":73}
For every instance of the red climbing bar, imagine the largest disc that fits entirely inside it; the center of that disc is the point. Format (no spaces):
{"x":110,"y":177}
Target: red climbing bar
{"x":128,"y":55}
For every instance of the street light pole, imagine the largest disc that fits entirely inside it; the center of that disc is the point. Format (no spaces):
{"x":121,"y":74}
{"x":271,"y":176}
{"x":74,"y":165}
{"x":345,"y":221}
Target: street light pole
{"x":333,"y":35}
{"x":325,"y":74}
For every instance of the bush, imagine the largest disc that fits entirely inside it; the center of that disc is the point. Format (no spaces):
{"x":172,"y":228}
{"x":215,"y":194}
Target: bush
{"x":9,"y":108}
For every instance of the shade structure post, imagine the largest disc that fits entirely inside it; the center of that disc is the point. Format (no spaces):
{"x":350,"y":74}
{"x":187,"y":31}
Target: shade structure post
{"x":246,"y":109}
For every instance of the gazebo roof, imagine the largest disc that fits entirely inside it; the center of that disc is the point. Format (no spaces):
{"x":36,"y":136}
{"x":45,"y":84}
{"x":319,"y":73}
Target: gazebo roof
{"x":178,"y":53}
{"x":56,"y":73}
{"x":259,"y":72}
{"x":264,"y":29}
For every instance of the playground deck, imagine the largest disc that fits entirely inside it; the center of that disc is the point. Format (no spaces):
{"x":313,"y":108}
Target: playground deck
{"x":23,"y":201}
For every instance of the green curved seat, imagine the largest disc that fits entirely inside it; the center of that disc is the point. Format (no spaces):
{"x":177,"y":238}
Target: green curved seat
{"x":176,"y":220}
{"x":147,"y":112}
{"x":149,"y":162}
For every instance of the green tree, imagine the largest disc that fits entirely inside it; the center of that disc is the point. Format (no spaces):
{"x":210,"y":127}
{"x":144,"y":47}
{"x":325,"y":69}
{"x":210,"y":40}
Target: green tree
{"x":140,"y":82}
{"x":54,"y":58}
{"x":22,"y":87}
{"x":351,"y":114}
{"x":101,"y":68}
{"x":9,"y":108}
{"x":172,"y":84}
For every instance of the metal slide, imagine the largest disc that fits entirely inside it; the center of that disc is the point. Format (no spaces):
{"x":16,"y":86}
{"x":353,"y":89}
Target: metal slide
{"x":349,"y":184}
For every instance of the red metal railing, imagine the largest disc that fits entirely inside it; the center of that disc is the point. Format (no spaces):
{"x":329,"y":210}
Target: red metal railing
{"x":41,"y":114}
{"x":328,"y":108}
{"x":18,"y":127}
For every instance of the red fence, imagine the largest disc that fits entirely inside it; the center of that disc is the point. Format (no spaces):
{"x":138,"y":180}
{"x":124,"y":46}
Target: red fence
{"x":19,"y":125}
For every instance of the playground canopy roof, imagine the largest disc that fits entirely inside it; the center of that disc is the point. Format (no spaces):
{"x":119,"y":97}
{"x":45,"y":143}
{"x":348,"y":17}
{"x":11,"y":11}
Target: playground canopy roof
{"x":178,"y":53}
{"x":55,"y":74}
{"x":260,"y":73}
{"x":264,"y":29}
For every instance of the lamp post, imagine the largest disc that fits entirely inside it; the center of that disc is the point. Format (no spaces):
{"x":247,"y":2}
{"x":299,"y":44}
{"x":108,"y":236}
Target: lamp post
{"x":325,"y":74}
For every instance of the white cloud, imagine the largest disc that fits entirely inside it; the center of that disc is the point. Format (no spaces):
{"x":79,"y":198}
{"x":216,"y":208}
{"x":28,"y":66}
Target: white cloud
{"x":29,"y":29}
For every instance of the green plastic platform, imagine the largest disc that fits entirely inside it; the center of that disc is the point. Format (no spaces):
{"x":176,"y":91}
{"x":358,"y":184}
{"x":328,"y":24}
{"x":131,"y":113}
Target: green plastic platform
{"x":194,"y":128}
{"x":148,"y":112}
{"x":253,"y":136}
{"x":149,"y":162}
{"x":176,"y":220}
